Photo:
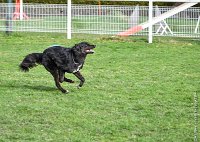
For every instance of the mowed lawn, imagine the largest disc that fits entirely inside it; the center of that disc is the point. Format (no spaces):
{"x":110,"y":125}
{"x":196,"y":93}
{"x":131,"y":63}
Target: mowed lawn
{"x":134,"y":91}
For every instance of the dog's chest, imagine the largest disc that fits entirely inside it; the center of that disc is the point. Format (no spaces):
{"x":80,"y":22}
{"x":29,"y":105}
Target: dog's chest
{"x":77,"y":67}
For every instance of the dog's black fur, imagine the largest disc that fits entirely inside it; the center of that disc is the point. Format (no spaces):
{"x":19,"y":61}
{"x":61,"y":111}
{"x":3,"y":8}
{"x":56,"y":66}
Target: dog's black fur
{"x":58,"y":60}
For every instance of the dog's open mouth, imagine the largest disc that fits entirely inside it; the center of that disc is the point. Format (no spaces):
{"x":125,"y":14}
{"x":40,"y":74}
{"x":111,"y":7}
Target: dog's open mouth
{"x":89,"y":51}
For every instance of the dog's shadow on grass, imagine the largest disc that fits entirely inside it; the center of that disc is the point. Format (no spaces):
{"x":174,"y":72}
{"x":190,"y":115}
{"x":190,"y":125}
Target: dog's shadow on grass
{"x":30,"y":87}
{"x":39,"y":88}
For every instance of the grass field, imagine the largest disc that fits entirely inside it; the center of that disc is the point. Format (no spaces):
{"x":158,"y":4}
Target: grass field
{"x":134,"y":91}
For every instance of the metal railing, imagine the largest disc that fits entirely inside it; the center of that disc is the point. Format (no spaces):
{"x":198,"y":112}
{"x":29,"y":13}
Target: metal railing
{"x":92,"y":19}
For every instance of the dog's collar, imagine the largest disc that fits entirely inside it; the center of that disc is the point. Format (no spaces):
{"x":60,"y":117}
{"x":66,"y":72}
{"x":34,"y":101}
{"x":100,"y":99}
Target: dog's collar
{"x":74,"y":60}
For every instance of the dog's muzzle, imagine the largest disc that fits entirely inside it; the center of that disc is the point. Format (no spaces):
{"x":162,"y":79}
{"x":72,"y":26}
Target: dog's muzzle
{"x":90,"y":50}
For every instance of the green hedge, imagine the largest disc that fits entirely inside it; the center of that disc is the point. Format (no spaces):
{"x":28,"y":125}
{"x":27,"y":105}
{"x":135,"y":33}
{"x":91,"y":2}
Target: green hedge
{"x":94,"y":2}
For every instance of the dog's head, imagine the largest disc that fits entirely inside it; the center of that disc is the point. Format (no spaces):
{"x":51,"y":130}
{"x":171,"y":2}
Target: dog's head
{"x":84,"y":48}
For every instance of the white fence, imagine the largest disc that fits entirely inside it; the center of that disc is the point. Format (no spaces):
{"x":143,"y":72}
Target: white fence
{"x":92,"y":19}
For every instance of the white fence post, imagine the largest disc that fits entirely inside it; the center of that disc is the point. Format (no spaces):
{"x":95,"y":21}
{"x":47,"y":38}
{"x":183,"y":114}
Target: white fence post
{"x":69,"y":19}
{"x":21,"y":10}
{"x":150,"y":21}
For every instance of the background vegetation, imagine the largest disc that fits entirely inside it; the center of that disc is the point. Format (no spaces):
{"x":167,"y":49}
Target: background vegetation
{"x":91,"y":2}
{"x":96,"y":2}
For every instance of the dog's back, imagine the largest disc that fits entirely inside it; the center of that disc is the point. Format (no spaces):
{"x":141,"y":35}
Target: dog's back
{"x":58,"y":56}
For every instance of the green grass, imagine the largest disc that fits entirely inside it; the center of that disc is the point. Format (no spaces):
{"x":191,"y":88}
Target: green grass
{"x":134,"y":91}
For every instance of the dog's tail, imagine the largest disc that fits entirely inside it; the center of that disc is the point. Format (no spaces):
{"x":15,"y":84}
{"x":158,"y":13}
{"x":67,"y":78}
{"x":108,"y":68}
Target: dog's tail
{"x":30,"y":61}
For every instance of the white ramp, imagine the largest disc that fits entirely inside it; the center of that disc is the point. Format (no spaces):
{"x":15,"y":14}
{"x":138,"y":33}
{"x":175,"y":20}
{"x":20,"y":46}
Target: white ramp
{"x":197,"y":26}
{"x":161,"y":27}
{"x":157,"y":19}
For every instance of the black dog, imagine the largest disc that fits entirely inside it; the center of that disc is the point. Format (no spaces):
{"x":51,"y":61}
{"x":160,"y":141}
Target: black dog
{"x":58,"y":60}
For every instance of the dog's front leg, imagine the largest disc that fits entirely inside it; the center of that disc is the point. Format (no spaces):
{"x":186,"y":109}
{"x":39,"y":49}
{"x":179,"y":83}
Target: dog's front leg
{"x":80,"y":77}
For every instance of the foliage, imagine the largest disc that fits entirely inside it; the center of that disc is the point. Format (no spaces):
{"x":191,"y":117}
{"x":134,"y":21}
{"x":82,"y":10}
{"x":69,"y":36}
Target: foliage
{"x":90,"y":2}
{"x":143,"y":3}
{"x":134,"y":91}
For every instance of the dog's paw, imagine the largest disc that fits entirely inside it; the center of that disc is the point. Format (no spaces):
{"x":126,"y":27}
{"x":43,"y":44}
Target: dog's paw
{"x":78,"y":87}
{"x":65,"y":91}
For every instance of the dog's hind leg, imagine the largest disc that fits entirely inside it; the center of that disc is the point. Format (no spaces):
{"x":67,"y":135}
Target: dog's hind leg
{"x":61,"y":76}
{"x":55,"y":74}
{"x":80,"y":77}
